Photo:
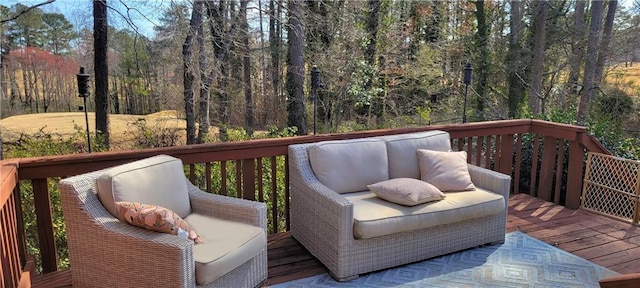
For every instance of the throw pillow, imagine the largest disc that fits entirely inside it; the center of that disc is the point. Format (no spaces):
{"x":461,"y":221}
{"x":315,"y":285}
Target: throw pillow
{"x":156,"y":218}
{"x":406,"y":191}
{"x":448,"y":171}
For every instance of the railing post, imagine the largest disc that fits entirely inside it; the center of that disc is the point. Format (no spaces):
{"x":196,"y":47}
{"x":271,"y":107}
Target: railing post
{"x":42,"y":202}
{"x":574,"y":175}
{"x":248,"y":179}
{"x":546,"y":168}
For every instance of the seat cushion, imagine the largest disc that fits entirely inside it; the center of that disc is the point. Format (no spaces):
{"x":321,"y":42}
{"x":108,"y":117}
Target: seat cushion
{"x":158,"y":180}
{"x":403,"y":162}
{"x":349,"y":165}
{"x":226,"y":246}
{"x":375,"y":217}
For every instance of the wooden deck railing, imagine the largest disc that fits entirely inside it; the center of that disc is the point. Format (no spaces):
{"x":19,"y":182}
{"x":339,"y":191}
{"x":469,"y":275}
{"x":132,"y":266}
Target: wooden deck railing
{"x":257,"y":170}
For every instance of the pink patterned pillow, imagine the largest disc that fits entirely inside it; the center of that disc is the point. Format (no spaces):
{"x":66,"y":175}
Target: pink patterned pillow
{"x":156,"y":218}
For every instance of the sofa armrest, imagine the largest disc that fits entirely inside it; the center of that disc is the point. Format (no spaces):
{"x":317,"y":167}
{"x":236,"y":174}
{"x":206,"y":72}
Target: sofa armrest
{"x":493,"y":181}
{"x":330,"y":212}
{"x":227,"y":208}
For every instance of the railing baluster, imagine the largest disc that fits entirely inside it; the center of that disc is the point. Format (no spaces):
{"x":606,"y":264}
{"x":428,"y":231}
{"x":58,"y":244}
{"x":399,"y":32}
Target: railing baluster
{"x":41,"y":199}
{"x":249,"y":179}
{"x":549,"y":148}
{"x":238,"y":178}
{"x":479,"y":146}
{"x":534,"y":166}
{"x":559,"y":170}
{"x":274,"y":194}
{"x":487,"y":163}
{"x":506,"y":154}
{"x":223,"y":176}
{"x":207,"y":176}
{"x":260,"y":179}
{"x":516,"y":173}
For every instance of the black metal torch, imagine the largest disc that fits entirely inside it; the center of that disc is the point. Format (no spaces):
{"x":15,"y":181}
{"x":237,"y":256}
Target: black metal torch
{"x":83,"y":92}
{"x":466,"y":79}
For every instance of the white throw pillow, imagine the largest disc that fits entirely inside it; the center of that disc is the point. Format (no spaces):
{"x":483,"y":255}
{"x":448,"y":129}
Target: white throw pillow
{"x":448,"y":171}
{"x":406,"y":191}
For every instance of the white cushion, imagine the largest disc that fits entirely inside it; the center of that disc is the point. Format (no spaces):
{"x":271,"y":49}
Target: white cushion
{"x":402,"y":151}
{"x":349,"y":165}
{"x":448,"y":171}
{"x":375,"y":217}
{"x":406,"y":191}
{"x":227,"y":245}
{"x":158,"y":180}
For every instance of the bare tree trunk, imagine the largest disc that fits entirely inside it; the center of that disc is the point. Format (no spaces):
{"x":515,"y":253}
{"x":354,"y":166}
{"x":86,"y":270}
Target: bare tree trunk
{"x":196,"y":19}
{"x":589,"y":84}
{"x":263,"y":69}
{"x":577,"y":56}
{"x":295,"y":70}
{"x":275,"y":28}
{"x":603,"y":52}
{"x":514,"y":59}
{"x":371,"y":26}
{"x":205,"y":79}
{"x":538,"y":56}
{"x":482,"y":70}
{"x":101,"y":73}
{"x":248,"y":120}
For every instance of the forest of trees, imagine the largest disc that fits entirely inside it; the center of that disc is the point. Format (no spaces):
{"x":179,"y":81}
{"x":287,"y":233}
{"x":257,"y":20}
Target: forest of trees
{"x":383,"y":63}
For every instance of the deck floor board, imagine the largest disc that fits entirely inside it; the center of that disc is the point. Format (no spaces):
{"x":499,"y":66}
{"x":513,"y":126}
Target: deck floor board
{"x":602,"y":240}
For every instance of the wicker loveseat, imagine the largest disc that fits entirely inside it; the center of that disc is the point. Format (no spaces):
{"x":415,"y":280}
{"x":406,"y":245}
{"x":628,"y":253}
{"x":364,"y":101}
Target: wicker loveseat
{"x":351,"y":231}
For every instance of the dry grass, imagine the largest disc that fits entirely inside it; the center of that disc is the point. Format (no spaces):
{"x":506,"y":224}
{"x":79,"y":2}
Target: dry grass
{"x":122,"y":127}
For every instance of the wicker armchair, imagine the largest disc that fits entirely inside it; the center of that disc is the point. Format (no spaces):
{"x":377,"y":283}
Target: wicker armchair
{"x":105,"y":252}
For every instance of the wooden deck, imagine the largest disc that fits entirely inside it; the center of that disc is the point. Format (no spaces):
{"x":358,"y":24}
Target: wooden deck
{"x":605,"y":241}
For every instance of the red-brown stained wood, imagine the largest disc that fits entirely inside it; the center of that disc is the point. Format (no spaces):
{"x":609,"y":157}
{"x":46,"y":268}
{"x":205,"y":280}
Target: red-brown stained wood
{"x":515,"y":182}
{"x":274,"y":195}
{"x":574,"y":175}
{"x":534,"y":167}
{"x":479,"y":144}
{"x":42,"y":203}
{"x":559,"y":171}
{"x":248,"y":179}
{"x":506,"y":155}
{"x":546,"y":168}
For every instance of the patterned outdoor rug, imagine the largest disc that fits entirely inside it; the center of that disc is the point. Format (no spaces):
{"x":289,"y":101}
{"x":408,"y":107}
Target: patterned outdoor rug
{"x":521,"y":261}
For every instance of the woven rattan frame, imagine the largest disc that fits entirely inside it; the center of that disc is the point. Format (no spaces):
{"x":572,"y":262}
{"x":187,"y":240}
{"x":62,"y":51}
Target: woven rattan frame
{"x":105,"y":252}
{"x":322,"y":221}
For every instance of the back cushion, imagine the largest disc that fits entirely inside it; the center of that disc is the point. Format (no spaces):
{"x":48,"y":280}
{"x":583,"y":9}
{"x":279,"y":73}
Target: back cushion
{"x":158,"y":180}
{"x":350,"y":165}
{"x":403,"y":160}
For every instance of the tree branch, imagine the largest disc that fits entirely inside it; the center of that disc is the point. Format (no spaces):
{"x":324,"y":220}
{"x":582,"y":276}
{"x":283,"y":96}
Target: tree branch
{"x":14,"y":17}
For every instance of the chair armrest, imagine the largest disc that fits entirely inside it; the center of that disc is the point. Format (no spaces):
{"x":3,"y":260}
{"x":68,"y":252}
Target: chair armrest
{"x":227,"y":208}
{"x":621,"y":281}
{"x":493,"y":181}
{"x":93,"y":233}
{"x":315,"y":207}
